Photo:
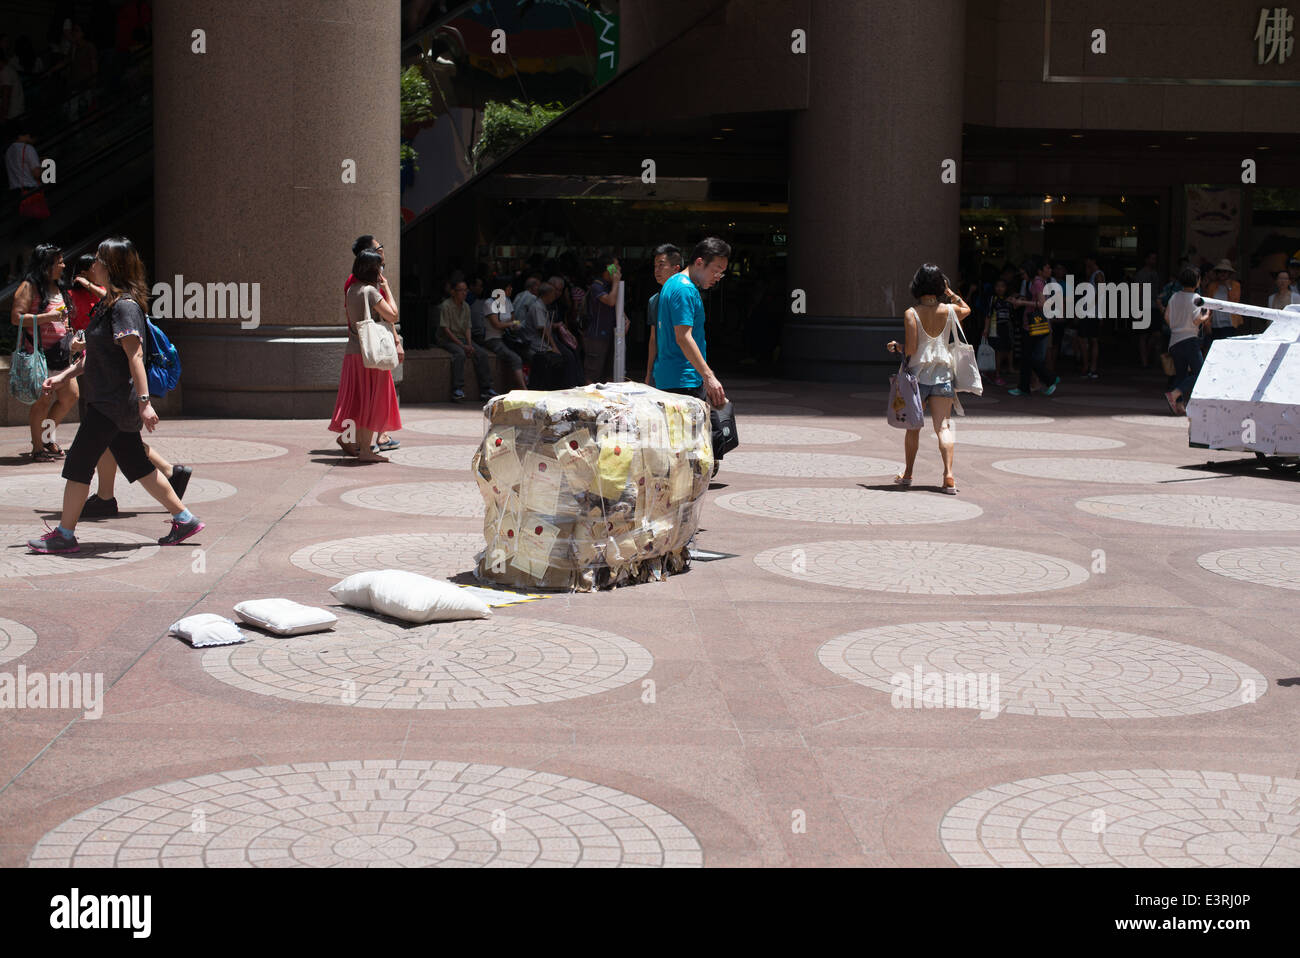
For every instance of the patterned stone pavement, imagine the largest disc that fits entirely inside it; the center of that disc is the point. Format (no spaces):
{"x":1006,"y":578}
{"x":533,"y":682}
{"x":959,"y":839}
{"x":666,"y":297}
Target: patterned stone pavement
{"x":921,"y":568}
{"x":1054,"y":441}
{"x":1197,"y":512}
{"x":1093,"y":470}
{"x":688,"y":721}
{"x":45,"y":493}
{"x":16,"y":640}
{"x":374,"y":664}
{"x":1134,"y":818}
{"x":102,"y":547}
{"x":384,"y":813}
{"x":457,"y":499}
{"x":767,"y":434}
{"x":1037,"y":669}
{"x":437,"y":554}
{"x":808,"y":465}
{"x":848,"y":506}
{"x":1276,"y":566}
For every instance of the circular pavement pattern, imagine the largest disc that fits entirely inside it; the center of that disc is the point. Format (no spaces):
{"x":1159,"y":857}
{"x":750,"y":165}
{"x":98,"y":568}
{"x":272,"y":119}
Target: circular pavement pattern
{"x":471,"y":428}
{"x":1197,"y":512}
{"x":16,"y":640}
{"x":769,"y":434}
{"x":1050,"y":670}
{"x":1055,"y":441}
{"x":862,"y":507}
{"x":374,"y":813}
{"x":1163,"y":422}
{"x":374,"y":664}
{"x":437,"y":555}
{"x":808,"y":465}
{"x":776,"y":409}
{"x":996,"y":420}
{"x":921,"y":568}
{"x":455,"y":499}
{"x":101,"y":549}
{"x":191,"y":451}
{"x":1093,"y":470}
{"x":1140,"y":818}
{"x":455,"y":458}
{"x":1278,"y":566}
{"x":44,"y":493}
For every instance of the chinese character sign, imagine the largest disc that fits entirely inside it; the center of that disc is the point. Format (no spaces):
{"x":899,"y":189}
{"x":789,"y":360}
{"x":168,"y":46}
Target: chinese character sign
{"x":1274,"y":35}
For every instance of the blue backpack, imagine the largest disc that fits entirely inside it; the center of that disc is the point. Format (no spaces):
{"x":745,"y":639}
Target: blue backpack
{"x":161,"y":361}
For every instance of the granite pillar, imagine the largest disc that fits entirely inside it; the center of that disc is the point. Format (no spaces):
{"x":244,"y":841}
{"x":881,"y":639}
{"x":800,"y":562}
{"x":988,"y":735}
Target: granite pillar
{"x":255,"y":119}
{"x":867,"y":200}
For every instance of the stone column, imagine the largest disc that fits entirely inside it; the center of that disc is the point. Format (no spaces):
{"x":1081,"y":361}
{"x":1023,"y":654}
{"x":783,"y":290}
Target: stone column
{"x":867,"y":205}
{"x":251,"y":138}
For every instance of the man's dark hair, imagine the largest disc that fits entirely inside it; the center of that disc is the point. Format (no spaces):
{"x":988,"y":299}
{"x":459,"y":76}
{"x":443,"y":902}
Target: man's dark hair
{"x":709,"y":249}
{"x":672,"y":252}
{"x":455,"y":279}
{"x":928,"y":281}
{"x":365,"y":267}
{"x":363,"y":242}
{"x":1190,"y":276}
{"x":532,"y":283}
{"x":503,"y":282}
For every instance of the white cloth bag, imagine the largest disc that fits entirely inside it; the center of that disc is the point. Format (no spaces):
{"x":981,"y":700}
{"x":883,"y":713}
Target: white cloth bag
{"x":965,"y":368}
{"x":378,"y":341}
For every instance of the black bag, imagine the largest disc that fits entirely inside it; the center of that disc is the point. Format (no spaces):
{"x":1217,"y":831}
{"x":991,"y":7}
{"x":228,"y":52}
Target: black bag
{"x":723,"y":424}
{"x":546,"y":370}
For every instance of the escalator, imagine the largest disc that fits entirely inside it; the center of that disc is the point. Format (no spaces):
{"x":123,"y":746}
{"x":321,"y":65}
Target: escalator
{"x":103,"y":177}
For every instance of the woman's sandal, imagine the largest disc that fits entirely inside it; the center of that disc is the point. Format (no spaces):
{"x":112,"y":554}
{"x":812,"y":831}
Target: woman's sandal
{"x":950,"y":490}
{"x":904,"y":481}
{"x":42,"y":455}
{"x":348,"y":449}
{"x":53,"y":449}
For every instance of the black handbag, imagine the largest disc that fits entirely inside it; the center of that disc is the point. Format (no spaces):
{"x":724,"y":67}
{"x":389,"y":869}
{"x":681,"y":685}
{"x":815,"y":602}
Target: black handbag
{"x":723,"y":426}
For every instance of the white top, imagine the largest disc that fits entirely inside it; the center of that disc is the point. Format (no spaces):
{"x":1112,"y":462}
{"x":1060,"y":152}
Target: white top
{"x":1218,"y":318}
{"x":1278,"y":301}
{"x":19,"y":160}
{"x":932,"y":363}
{"x":9,"y":77}
{"x":1181,"y":315}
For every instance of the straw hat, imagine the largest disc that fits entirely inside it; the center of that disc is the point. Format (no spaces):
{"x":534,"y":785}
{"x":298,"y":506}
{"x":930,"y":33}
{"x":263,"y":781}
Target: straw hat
{"x":1225,"y":265}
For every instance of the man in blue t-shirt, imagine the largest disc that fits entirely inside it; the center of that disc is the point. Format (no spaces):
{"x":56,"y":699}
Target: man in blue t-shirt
{"x":681,"y":364}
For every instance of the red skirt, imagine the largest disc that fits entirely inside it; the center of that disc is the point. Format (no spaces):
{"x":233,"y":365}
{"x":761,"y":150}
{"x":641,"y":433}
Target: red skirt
{"x":367,"y":398}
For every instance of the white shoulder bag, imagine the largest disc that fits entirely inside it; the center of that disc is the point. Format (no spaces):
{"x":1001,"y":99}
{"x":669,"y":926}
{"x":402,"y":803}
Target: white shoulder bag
{"x":378,"y":341}
{"x":965,"y":368}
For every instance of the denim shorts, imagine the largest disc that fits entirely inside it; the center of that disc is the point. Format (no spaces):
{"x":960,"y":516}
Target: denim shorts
{"x":941,"y":390}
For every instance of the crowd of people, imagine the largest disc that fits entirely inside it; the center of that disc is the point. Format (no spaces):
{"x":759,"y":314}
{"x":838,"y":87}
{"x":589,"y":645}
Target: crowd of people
{"x":1008,"y":310}
{"x":546,"y":330}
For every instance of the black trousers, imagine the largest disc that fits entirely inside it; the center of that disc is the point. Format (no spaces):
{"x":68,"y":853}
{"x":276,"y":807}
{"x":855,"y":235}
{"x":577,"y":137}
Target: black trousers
{"x":96,"y":433}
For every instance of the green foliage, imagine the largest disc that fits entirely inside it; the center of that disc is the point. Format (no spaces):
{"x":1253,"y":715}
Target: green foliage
{"x":506,"y":125}
{"x":417,"y":106}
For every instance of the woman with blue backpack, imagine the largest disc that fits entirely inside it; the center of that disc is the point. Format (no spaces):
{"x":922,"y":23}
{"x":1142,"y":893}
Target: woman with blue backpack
{"x":117,"y":400}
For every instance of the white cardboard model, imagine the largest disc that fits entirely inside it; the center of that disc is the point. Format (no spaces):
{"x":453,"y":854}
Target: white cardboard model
{"x":1247,"y":396}
{"x":593,"y":487}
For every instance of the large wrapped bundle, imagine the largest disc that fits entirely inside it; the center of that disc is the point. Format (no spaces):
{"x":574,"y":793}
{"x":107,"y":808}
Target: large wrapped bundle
{"x":593,"y":487}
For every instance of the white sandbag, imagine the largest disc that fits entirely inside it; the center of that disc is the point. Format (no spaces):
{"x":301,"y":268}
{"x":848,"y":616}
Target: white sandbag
{"x":284,"y":616}
{"x":409,"y":597}
{"x":208,"y":628}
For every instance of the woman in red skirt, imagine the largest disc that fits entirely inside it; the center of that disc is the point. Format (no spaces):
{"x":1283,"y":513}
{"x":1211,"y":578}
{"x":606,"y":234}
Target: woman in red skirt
{"x":367,"y":402}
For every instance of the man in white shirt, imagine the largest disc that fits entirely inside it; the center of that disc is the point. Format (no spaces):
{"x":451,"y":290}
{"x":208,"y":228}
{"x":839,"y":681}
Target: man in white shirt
{"x":11,"y":88}
{"x":22,"y":165}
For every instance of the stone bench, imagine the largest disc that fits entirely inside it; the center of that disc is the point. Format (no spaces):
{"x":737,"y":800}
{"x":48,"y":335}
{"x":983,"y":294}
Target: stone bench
{"x":426,"y":377}
{"x":14,"y":413}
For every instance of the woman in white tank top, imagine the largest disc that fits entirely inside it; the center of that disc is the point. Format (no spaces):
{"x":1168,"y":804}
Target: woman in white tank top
{"x":928,"y":332}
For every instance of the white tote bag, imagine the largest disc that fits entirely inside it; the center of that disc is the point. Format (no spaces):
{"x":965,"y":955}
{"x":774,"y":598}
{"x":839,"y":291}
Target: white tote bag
{"x":378,"y":342}
{"x":988,"y":359}
{"x":965,"y":368}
